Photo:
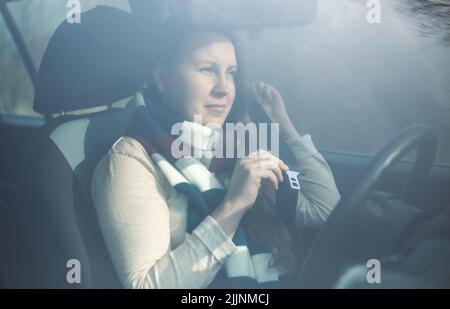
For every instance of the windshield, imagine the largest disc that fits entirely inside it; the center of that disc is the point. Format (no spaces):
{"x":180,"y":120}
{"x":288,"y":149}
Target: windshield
{"x":358,"y":82}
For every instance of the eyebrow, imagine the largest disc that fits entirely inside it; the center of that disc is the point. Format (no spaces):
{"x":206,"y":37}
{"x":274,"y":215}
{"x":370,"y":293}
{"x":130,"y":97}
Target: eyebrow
{"x":233,"y":66}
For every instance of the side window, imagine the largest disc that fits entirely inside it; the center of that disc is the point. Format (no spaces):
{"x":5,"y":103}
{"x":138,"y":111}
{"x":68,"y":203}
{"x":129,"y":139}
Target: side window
{"x":36,"y":20}
{"x":16,"y":90}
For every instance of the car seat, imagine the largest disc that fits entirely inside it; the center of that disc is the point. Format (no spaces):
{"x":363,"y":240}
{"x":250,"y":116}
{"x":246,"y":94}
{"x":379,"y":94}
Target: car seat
{"x":97,"y":62}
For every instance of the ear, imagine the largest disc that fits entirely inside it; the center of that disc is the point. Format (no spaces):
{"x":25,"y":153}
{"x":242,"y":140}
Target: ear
{"x":159,"y":74}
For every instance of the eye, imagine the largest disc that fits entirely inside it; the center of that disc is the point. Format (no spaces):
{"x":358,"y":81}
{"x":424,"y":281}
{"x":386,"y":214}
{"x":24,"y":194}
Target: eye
{"x":232,"y":73}
{"x":209,"y":70}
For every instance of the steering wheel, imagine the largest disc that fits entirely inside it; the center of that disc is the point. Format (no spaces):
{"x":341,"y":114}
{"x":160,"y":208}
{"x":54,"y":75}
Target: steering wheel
{"x":333,"y":250}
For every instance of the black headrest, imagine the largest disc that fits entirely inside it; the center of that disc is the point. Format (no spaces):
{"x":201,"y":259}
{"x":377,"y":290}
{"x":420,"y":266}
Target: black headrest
{"x":96,"y":62}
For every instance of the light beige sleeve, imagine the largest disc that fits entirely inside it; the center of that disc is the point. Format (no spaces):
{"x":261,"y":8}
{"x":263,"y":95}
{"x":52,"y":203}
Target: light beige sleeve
{"x":134,"y":219}
{"x":318,"y":195}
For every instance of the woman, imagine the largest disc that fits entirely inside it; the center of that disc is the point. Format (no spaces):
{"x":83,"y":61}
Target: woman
{"x":149,"y":204}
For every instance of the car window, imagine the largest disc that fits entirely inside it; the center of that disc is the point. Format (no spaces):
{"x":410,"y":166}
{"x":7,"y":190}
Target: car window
{"x":352,"y":84}
{"x":15,"y":85}
{"x":351,"y":87}
{"x":36,"y":20}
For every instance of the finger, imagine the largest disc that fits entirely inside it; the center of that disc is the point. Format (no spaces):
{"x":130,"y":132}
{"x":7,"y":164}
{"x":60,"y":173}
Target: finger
{"x":269,"y":175}
{"x":268,"y":164}
{"x":283,"y":166}
{"x":259,"y":85}
{"x":265,"y":88}
{"x":278,"y":173}
{"x":277,"y":165}
{"x":273,"y":165}
{"x":254,"y":87}
{"x":267,"y":91}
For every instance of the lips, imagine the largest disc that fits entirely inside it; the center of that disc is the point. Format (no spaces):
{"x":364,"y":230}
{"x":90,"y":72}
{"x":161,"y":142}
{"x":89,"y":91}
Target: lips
{"x":216,"y":108}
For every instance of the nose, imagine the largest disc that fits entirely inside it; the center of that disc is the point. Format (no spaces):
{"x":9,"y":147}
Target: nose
{"x":221,"y":88}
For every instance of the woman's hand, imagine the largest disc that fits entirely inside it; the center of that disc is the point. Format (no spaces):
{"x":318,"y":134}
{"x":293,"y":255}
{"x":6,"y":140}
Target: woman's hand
{"x":248,"y":175}
{"x":273,"y":104}
{"x":247,"y":178}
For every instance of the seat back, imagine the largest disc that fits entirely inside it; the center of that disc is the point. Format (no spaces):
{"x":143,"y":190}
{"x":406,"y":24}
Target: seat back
{"x":94,"y":63}
{"x":61,"y":219}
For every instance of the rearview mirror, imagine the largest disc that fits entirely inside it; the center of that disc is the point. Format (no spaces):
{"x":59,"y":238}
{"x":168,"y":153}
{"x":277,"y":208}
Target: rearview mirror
{"x":230,"y":13}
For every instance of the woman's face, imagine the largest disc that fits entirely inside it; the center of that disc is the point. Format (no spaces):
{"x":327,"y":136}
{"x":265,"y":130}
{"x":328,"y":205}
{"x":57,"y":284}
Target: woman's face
{"x":201,"y":82}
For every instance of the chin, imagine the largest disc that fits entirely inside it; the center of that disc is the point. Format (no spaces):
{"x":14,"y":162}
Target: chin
{"x":209,"y":118}
{"x":214,"y":122}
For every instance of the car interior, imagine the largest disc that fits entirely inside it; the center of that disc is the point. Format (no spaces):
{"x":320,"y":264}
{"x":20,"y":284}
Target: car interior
{"x":395,"y":204}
